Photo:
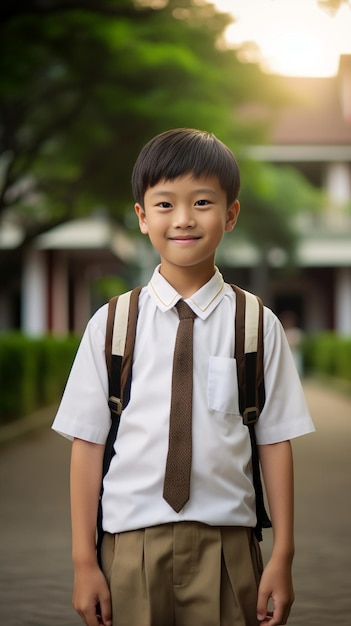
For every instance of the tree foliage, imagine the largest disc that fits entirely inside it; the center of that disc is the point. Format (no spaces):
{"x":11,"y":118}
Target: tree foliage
{"x":271,"y":197}
{"x":84,"y":84}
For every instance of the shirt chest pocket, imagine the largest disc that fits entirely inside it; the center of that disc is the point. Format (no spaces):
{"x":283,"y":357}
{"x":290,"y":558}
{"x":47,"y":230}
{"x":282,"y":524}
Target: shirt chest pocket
{"x":222,"y":385}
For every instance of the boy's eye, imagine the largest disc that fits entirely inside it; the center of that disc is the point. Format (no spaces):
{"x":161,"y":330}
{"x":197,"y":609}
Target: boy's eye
{"x":202,"y":202}
{"x":164,"y":205}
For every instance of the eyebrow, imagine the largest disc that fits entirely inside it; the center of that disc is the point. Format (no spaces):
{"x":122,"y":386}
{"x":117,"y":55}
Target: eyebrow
{"x":172,"y":193}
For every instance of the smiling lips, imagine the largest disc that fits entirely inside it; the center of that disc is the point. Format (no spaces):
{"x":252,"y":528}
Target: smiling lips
{"x":185,"y":238}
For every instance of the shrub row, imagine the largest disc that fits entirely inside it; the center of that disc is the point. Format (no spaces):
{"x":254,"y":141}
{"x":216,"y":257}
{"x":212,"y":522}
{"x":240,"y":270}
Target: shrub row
{"x":33,"y":372}
{"x":328,"y":354}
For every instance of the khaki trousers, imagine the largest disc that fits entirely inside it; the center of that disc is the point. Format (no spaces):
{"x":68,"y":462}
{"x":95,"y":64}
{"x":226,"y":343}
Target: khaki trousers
{"x":183,"y":574}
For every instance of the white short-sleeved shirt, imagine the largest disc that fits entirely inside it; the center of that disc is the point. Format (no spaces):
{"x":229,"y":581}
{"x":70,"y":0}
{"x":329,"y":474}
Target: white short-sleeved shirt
{"x":222,"y":492}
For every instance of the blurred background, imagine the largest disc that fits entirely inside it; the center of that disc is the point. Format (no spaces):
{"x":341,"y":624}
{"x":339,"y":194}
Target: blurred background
{"x":84,"y":84}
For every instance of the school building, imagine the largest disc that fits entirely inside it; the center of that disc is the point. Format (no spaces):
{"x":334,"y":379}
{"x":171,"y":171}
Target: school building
{"x":54,"y":287}
{"x":312,"y":134}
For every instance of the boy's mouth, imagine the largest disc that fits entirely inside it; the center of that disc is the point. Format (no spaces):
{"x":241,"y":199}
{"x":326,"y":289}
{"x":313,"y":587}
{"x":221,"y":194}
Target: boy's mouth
{"x":185,"y":238}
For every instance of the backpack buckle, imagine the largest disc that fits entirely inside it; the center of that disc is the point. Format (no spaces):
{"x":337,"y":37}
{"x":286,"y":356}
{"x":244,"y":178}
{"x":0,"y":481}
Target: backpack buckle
{"x":250,"y":415}
{"x":115,"y":405}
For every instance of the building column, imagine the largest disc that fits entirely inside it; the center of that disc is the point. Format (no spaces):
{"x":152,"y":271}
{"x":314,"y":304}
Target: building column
{"x":59,"y":294}
{"x":34,"y":294}
{"x":6,"y":323}
{"x":343,"y":301}
{"x":338,"y":182}
{"x":81,"y":302}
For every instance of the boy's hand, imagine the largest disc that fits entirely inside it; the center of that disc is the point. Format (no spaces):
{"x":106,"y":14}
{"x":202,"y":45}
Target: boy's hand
{"x":276,"y":583}
{"x":90,"y":590}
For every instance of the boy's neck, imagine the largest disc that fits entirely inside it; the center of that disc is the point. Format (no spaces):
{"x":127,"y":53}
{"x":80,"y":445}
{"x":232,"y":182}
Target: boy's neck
{"x":187,"y":280}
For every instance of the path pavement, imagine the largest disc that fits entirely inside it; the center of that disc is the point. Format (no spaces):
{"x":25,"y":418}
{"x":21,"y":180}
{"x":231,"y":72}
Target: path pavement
{"x":35,"y":569}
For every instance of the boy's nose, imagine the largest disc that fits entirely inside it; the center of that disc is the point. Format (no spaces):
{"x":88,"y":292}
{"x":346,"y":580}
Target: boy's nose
{"x":183,"y":218}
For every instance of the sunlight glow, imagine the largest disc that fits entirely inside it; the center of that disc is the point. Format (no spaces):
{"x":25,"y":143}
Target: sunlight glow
{"x":292,"y":37}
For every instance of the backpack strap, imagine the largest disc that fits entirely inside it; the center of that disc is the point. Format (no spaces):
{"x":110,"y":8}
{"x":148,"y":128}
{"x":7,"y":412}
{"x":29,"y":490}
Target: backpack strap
{"x":249,"y":352}
{"x":119,"y":346}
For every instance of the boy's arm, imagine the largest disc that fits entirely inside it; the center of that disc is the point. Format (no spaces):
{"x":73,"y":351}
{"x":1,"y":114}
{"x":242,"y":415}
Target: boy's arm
{"x":276,"y":582}
{"x":90,"y":586}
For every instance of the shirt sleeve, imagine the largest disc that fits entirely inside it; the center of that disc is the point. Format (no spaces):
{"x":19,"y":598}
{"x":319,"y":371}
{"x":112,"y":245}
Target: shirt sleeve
{"x":84,"y":411}
{"x":285,"y":414}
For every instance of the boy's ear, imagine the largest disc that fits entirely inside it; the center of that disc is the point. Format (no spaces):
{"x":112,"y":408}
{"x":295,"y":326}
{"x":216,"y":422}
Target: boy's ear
{"x":232,"y":215}
{"x":139,"y":210}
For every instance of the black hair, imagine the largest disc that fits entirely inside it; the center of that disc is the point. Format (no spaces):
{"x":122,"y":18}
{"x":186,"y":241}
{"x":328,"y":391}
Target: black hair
{"x":182,"y":151}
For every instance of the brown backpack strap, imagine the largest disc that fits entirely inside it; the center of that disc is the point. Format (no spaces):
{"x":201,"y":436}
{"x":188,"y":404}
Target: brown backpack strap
{"x":260,"y":390}
{"x":249,"y":352}
{"x":119,"y":345}
{"x":239,"y":345}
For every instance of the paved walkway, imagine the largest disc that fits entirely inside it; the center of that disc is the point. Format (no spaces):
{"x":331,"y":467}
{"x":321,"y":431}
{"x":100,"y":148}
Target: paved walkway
{"x":35,"y":569}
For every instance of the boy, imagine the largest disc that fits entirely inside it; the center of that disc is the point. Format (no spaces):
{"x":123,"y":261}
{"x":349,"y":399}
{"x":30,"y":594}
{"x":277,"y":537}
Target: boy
{"x":198,"y":563}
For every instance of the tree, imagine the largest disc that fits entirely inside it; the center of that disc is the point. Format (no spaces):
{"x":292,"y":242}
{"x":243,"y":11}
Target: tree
{"x":271,"y":198}
{"x":84,"y":84}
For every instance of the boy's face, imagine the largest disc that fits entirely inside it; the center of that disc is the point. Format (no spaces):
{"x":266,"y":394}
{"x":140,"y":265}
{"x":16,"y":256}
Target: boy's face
{"x":185,"y":219}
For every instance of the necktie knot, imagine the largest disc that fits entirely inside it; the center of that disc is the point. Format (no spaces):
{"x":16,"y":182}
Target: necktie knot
{"x":184,"y":310}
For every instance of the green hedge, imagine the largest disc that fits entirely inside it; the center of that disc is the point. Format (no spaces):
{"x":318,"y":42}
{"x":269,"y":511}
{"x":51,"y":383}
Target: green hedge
{"x":33,"y":372}
{"x":328,"y":354}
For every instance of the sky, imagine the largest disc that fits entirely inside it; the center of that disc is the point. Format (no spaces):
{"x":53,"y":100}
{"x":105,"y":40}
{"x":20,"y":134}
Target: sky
{"x":294,"y":37}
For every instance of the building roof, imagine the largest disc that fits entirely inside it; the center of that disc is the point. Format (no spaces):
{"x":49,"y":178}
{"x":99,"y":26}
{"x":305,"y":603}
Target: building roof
{"x":320,"y":110}
{"x":313,"y":125}
{"x":90,"y":233}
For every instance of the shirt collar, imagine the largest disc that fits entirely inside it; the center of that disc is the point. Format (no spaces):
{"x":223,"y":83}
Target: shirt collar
{"x":202,"y":302}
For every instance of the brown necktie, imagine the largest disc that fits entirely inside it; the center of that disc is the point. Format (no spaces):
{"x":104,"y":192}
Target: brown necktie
{"x":177,"y":478}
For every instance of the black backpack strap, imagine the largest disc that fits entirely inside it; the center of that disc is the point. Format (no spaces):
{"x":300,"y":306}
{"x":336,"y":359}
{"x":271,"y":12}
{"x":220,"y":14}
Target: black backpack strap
{"x":119,"y":346}
{"x":249,"y":352}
